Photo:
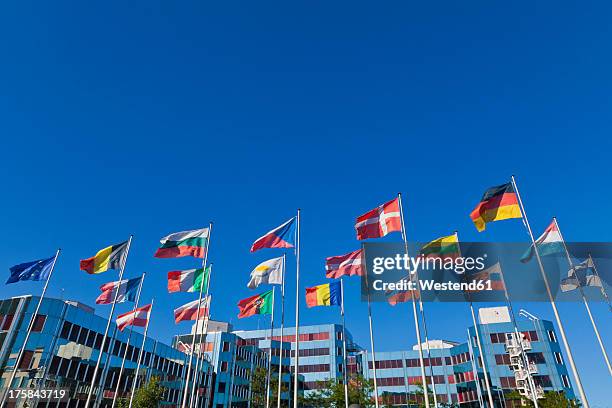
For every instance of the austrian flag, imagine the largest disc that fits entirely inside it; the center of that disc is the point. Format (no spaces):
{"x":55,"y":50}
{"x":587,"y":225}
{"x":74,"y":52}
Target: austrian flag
{"x":137,"y":317}
{"x":350,"y":265}
{"x":380,"y":221}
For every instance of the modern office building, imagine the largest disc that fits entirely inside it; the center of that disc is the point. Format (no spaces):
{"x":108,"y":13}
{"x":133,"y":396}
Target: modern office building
{"x":63,"y":349}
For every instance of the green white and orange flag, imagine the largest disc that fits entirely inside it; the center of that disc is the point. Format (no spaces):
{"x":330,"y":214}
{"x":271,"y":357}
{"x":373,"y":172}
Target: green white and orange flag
{"x":443,"y":247}
{"x":190,"y":280}
{"x":184,"y":243}
{"x":111,"y":257}
{"x":258,"y":304}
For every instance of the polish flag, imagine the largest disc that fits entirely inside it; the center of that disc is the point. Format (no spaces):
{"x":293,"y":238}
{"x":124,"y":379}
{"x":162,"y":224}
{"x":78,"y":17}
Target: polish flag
{"x":380,"y":221}
{"x":137,"y":317}
{"x":350,"y":265}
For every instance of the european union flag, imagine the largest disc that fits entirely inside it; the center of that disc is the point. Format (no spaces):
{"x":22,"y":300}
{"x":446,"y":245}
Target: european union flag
{"x":35,"y":270}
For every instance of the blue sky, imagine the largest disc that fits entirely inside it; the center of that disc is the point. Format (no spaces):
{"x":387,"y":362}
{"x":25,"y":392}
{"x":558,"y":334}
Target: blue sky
{"x":148,"y":118}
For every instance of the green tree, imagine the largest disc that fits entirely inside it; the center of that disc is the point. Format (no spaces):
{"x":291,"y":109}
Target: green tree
{"x":552,"y":399}
{"x":258,"y":388}
{"x":331,"y":394}
{"x":148,"y":396}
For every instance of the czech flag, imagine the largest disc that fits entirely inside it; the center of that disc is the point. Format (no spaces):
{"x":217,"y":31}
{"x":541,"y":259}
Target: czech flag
{"x":328,"y":294}
{"x":280,"y":237}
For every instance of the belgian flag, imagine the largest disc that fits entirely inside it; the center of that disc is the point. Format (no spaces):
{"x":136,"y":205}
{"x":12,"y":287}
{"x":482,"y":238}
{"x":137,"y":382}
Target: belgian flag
{"x":112,"y":257}
{"x":497,"y":203}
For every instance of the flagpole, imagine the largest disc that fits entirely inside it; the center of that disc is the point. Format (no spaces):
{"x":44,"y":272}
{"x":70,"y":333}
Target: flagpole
{"x":110,"y":318}
{"x":346,"y":393}
{"x":268,"y":379}
{"x":29,"y":329}
{"x":105,"y":367}
{"x":144,"y":340}
{"x":282,"y":326}
{"x":603,"y":290}
{"x":297,"y":313}
{"x":481,"y":350}
{"x":584,"y":299}
{"x":414,"y":308}
{"x":188,"y":373}
{"x":128,"y":342}
{"x":205,"y":329}
{"x":552,"y":301}
{"x":376,"y":402}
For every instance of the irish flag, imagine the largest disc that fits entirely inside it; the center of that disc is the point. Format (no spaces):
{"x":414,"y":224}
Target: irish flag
{"x":189,"y":311}
{"x":184,"y":243}
{"x":549,"y":243}
{"x":190,"y":280}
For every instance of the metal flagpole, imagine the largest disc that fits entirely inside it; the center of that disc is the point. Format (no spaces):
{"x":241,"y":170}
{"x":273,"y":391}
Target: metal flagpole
{"x":128,"y":342}
{"x":297,"y":313}
{"x":414,"y":308}
{"x":110,"y":318}
{"x":481,"y":350}
{"x":268,"y":378}
{"x":603,"y":290}
{"x":346,"y":393}
{"x":144,"y":340}
{"x":474,"y":370}
{"x":376,"y":402}
{"x":552,"y":301}
{"x":584,"y":299}
{"x":431,"y":374}
{"x":29,"y":330}
{"x":188,"y":373}
{"x":105,"y":369}
{"x":205,"y":329}
{"x":282,"y":326}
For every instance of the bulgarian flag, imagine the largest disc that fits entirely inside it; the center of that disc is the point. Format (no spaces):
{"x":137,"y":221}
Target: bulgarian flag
{"x":548,"y":243}
{"x":258,"y":304}
{"x":189,"y":311}
{"x":184,"y":243}
{"x":137,"y":317}
{"x":191,"y":280}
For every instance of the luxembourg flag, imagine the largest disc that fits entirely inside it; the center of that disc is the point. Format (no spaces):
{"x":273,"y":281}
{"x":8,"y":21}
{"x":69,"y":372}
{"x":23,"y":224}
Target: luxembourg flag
{"x":137,"y":317}
{"x":549,"y":243}
{"x":280,"y":237}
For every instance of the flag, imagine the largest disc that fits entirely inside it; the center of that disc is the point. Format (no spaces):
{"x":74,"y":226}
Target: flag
{"x":270,"y":272}
{"x":328,"y":294}
{"x":497,"y":203}
{"x":126,"y":290}
{"x":34,"y":270}
{"x":443,"y":247}
{"x":184,"y":243}
{"x":403,"y":295}
{"x":575,"y":279}
{"x":492,"y":273}
{"x":185,"y":348}
{"x":258,"y":304}
{"x":350,"y":264}
{"x":280,"y":237}
{"x":112,"y":257}
{"x":189,"y":311}
{"x":137,"y":317}
{"x":549,"y":243}
{"x":190,"y":280}
{"x":380,"y":221}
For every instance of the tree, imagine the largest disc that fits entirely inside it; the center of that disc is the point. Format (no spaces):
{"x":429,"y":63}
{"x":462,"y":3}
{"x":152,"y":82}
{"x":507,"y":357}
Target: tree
{"x":148,"y":396}
{"x":552,"y":399}
{"x":331,"y":394}
{"x":258,"y":387}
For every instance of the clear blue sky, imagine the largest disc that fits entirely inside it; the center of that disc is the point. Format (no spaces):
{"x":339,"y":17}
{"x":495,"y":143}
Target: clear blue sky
{"x":150,"y":118}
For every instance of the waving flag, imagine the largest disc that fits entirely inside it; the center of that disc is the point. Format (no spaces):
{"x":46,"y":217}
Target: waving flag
{"x":184,"y":243}
{"x":380,"y":221}
{"x":280,"y":237}
{"x":112,"y":257}
{"x":444,"y":248}
{"x":137,"y":317}
{"x":270,"y":272}
{"x":328,"y":294}
{"x":581,"y":275}
{"x":402,"y":295}
{"x":498,"y":203}
{"x":190,"y":280}
{"x":189,"y":311}
{"x":258,"y":304}
{"x":34,"y":271}
{"x":126,"y":289}
{"x":350,"y":264}
{"x":549,"y":243}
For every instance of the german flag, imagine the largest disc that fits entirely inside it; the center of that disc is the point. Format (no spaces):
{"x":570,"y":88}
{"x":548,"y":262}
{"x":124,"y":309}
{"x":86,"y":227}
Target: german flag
{"x":112,"y":257}
{"x":497,"y":203}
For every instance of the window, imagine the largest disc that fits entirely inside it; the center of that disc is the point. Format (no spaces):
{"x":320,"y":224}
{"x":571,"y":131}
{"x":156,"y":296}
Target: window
{"x":39,"y":323}
{"x":223,"y":366}
{"x":26,"y":360}
{"x":226,"y":346}
{"x":74,"y":333}
{"x":8,"y":319}
{"x":66,"y":330}
{"x":221,"y":388}
{"x":558,"y":358}
{"x":565,"y":380}
{"x":551,"y":336}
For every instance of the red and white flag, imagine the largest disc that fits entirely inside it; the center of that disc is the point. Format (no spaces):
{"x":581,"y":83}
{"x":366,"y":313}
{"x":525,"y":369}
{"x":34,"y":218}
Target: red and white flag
{"x":380,"y":221}
{"x":350,"y":265}
{"x":137,"y":317}
{"x":189,"y":311}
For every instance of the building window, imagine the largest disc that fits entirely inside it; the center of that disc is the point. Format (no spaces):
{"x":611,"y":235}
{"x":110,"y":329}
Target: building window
{"x":39,"y":323}
{"x":551,"y":336}
{"x":221,"y":388}
{"x":223,"y":366}
{"x":565,"y":380}
{"x":6,"y":324}
{"x":558,"y":358}
{"x":26,"y":360}
{"x":226,"y":346}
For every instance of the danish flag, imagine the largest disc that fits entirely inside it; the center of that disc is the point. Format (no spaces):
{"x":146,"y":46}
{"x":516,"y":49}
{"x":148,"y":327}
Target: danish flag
{"x":380,"y":221}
